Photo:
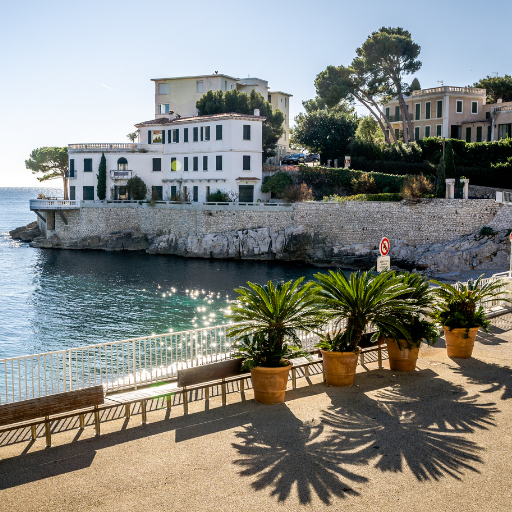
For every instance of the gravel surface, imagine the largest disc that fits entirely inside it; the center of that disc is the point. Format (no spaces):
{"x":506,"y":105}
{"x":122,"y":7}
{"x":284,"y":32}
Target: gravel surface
{"x":435,"y":439}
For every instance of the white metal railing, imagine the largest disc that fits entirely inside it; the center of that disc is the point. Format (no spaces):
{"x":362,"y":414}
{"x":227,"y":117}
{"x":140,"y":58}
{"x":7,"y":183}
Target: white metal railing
{"x":54,"y":204}
{"x":120,"y":175}
{"x":117,"y":145}
{"x":447,"y":88}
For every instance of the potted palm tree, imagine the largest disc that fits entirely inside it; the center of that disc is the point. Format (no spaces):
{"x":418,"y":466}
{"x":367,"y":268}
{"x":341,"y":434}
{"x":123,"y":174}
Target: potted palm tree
{"x":271,"y":315}
{"x":460,"y":311}
{"x":350,"y":305}
{"x":403,"y":351}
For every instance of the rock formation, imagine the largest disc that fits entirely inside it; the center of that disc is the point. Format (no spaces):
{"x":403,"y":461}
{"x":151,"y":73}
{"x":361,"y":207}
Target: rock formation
{"x":26,"y":233}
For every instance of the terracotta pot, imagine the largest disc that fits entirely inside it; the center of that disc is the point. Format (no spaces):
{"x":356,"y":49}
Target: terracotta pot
{"x":456,"y":343}
{"x":269,"y":384}
{"x":339,"y":368}
{"x":401,"y":360}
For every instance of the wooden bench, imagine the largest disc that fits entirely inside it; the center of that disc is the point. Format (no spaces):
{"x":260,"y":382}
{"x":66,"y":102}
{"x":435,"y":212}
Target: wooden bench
{"x":32,"y":412}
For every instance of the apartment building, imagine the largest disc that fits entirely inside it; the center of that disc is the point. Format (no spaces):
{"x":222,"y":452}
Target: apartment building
{"x":452,"y":112}
{"x":180,"y":94}
{"x":186,"y":159}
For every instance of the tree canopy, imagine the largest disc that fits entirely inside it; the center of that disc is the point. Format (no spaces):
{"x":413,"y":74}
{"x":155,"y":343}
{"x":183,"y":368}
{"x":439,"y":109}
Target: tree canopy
{"x":498,"y":87}
{"x":219,"y":102}
{"x":368,"y":130}
{"x":52,"y":163}
{"x":324,"y":131}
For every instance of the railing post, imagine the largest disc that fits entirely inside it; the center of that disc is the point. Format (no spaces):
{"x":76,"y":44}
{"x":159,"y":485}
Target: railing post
{"x":134,"y":366}
{"x":70,"y":371}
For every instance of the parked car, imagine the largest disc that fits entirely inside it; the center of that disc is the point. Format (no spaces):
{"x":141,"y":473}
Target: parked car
{"x":313,"y":158}
{"x":295,"y":159}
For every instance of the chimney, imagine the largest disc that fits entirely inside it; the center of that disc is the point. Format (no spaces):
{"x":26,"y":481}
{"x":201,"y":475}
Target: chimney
{"x":171,"y":115}
{"x":256,"y":111}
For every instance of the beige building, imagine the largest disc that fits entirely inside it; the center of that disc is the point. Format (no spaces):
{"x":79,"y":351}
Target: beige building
{"x":180,"y":94}
{"x":453,"y":112}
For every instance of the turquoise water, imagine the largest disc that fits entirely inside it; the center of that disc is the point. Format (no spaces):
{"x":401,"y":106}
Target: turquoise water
{"x":56,"y":299}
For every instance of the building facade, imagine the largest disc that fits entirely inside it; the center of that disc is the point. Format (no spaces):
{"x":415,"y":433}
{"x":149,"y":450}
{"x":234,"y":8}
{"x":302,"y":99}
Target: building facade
{"x":180,"y":94}
{"x":182,"y":159}
{"x":451,"y":112}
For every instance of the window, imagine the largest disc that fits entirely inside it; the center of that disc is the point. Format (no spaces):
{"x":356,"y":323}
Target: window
{"x":458,"y":109}
{"x":439,"y":108}
{"x":427,"y":110}
{"x":247,"y":132}
{"x":195,"y":136}
{"x":416,"y":133}
{"x":163,"y":108}
{"x":427,"y":131}
{"x":397,"y":133}
{"x":185,"y":134}
{"x":185,"y":164}
{"x":218,"y":132}
{"x":157,"y":164}
{"x":195,"y":164}
{"x":173,"y":192}
{"x":397,"y":113}
{"x":185,"y":194}
{"x":157,"y":193}
{"x":205,"y":163}
{"x":504,"y":131}
{"x":174,"y":165}
{"x":246,"y":193}
{"x":155,"y":137}
{"x":417,"y":113}
{"x":246,"y":163}
{"x":163,"y":89}
{"x":88,"y":194}
{"x":387,"y":133}
{"x":196,"y":193}
{"x":474,"y":107}
{"x":285,"y":102}
{"x":72,"y":193}
{"x":439,"y":130}
{"x":489,"y":133}
{"x":387,"y":112}
{"x":206,"y":133}
{"x":176,"y":136}
{"x":479,"y":134}
{"x":487,"y":115}
{"x":122,"y":164}
{"x":71,"y":167}
{"x":468,"y":134}
{"x":225,"y":85}
{"x":269,"y":98}
{"x":199,"y":86}
{"x":202,"y":133}
{"x":218,"y":163}
{"x":87,"y":164}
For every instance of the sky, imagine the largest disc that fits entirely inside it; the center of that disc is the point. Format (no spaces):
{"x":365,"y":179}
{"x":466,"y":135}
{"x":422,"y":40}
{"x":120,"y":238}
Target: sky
{"x":79,"y":71}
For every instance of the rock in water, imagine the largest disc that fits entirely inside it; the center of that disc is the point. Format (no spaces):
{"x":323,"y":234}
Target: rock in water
{"x":26,"y":233}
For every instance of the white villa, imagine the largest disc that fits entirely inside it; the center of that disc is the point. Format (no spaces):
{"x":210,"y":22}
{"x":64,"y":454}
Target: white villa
{"x":186,"y":158}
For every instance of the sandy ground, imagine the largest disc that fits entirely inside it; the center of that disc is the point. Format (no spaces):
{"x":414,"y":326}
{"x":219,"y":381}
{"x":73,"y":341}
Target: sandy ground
{"x":437,"y":439}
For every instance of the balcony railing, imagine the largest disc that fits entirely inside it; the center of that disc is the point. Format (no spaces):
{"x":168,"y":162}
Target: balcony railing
{"x":120,"y":175}
{"x":103,"y":146}
{"x":461,"y":90}
{"x":54,"y":204}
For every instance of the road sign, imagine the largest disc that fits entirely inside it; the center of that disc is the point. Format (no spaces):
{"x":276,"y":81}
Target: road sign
{"x":384,"y":247}
{"x":383,"y":263}
{"x":511,"y":236}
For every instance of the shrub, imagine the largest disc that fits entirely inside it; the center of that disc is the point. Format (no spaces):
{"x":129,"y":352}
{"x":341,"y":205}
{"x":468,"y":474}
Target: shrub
{"x":362,"y":197}
{"x":486,"y":231}
{"x":416,"y":187}
{"x":365,"y":184}
{"x":298,"y":193}
{"x":137,"y":188}
{"x":276,"y":184}
{"x":391,"y":167}
{"x":218,"y":197}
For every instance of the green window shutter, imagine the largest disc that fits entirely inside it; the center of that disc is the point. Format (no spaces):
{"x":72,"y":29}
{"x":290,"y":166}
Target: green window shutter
{"x":387,"y":112}
{"x":489,"y":133}
{"x":169,"y":136}
{"x":458,"y":110}
{"x":163,"y":137}
{"x":439,"y":108}
{"x":185,"y":134}
{"x":173,"y":164}
{"x":72,"y":193}
{"x":397,"y":133}
{"x":427,"y":110}
{"x":87,"y":164}
{"x":72,"y":168}
{"x":185,"y":163}
{"x":196,"y":163}
{"x":416,"y":133}
{"x":247,"y":132}
{"x":397,"y":113}
{"x":468,"y":134}
{"x":418,"y":111}
{"x":205,"y":163}
{"x":196,"y":193}
{"x":177,"y":135}
{"x":157,"y":164}
{"x":218,"y":132}
{"x":479,"y":134}
{"x":427,"y":131}
{"x":439,"y":130}
{"x":206,"y":133}
{"x":474,"y":107}
{"x":196,"y":134}
{"x":202,"y":131}
{"x":218,"y":163}
{"x":173,"y":192}
{"x":247,"y":163}
{"x":149,"y":136}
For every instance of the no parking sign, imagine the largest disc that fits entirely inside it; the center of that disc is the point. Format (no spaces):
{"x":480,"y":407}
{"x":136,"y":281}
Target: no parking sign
{"x":384,"y":261}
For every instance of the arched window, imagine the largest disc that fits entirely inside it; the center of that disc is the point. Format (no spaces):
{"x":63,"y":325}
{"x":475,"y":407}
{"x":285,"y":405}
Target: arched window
{"x":122,"y":164}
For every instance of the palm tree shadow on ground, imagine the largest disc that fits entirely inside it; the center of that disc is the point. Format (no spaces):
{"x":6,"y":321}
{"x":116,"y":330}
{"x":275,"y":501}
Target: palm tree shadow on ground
{"x":281,"y":451}
{"x":422,"y":427}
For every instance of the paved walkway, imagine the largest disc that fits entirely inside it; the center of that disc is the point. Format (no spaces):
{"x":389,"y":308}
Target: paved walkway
{"x":435,"y":440}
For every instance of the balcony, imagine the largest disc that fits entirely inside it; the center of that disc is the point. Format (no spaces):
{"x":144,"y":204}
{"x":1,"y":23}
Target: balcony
{"x":95,"y":147}
{"x":447,"y":89}
{"x":120,"y":175}
{"x":54,"y":204}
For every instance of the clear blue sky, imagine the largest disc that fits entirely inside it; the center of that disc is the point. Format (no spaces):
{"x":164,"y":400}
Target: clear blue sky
{"x":80,"y":71}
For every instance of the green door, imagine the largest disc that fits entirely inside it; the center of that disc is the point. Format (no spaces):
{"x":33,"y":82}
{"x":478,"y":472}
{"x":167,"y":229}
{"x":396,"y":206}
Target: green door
{"x":246,"y":193}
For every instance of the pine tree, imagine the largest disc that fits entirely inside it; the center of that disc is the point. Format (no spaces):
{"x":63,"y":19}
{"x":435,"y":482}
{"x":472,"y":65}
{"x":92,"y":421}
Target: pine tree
{"x":102,"y":178}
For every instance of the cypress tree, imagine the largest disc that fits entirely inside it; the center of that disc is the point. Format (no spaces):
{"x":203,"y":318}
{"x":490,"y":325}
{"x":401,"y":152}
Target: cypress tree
{"x":441,"y":176}
{"x":102,"y":178}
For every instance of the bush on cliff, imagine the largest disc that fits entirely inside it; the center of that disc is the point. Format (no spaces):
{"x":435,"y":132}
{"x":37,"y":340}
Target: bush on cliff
{"x":362,"y":197}
{"x":137,"y":188}
{"x":276,"y":184}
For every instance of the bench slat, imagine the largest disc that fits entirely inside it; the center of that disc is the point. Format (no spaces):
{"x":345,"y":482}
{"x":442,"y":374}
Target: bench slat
{"x":48,"y":405}
{"x":209,"y":372}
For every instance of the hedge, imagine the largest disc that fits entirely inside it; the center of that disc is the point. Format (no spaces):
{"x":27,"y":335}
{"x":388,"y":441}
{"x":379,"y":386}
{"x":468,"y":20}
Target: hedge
{"x":392,"y":167}
{"x":362,"y":197}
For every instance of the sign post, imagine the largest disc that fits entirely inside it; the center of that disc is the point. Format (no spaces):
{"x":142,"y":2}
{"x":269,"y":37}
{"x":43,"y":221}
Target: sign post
{"x":384,"y":261}
{"x":510,"y":253}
